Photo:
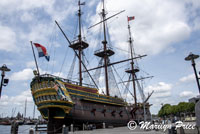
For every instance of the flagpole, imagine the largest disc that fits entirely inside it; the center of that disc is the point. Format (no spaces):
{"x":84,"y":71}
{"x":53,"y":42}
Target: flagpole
{"x":35,"y":59}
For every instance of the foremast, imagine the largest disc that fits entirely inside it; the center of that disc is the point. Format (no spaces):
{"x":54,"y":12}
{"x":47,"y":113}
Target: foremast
{"x":79,"y":45}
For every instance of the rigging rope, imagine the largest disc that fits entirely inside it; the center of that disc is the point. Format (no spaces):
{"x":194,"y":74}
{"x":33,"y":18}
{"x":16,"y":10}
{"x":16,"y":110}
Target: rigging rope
{"x":63,"y":61}
{"x":70,"y":73}
{"x":127,"y":85}
{"x":122,"y":80}
{"x":75,"y":32}
{"x":98,"y":72}
{"x":140,"y":90}
{"x":86,"y":76}
{"x":53,"y":61}
{"x":52,"y":38}
{"x":113,"y":80}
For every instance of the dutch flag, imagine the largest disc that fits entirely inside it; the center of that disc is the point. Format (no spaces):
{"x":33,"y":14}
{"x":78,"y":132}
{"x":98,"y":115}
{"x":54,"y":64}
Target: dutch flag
{"x":42,"y":51}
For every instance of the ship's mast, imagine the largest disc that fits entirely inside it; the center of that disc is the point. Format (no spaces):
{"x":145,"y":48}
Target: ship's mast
{"x":79,"y":49}
{"x":79,"y":44}
{"x":104,"y":42}
{"x":132,"y":71}
{"x":106,"y":52}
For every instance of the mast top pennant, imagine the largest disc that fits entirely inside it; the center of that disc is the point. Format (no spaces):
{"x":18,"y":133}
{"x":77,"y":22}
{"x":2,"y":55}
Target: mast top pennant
{"x":131,"y":18}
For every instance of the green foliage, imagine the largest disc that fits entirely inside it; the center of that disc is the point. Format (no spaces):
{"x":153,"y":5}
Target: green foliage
{"x":167,"y":109}
{"x":182,"y":107}
{"x":190,"y":107}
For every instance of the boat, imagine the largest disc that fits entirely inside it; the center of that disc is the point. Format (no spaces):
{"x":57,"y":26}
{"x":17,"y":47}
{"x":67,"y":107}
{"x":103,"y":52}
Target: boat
{"x":64,"y":101}
{"x":5,"y":122}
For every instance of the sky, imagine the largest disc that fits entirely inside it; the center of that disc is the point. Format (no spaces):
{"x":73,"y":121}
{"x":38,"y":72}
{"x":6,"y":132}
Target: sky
{"x":167,"y":31}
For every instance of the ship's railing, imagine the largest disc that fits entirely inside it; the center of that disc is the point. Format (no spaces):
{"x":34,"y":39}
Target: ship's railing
{"x":67,"y":80}
{"x":75,"y":41}
{"x":99,"y":50}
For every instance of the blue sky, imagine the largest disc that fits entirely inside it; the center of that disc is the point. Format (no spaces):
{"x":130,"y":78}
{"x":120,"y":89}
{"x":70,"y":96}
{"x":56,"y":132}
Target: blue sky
{"x":167,"y":31}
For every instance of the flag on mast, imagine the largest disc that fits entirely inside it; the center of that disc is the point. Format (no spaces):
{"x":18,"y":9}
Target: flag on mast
{"x":42,"y":51}
{"x":131,"y":18}
{"x":83,"y":3}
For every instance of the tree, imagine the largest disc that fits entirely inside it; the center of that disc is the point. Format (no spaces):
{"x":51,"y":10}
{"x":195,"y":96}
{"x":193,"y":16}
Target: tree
{"x":190,"y":107}
{"x":182,"y":107}
{"x":167,"y":109}
{"x":174,"y":110}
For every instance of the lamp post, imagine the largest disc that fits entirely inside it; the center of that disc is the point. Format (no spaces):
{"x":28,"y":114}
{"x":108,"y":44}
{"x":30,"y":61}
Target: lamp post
{"x":191,"y":57}
{"x":3,"y":81}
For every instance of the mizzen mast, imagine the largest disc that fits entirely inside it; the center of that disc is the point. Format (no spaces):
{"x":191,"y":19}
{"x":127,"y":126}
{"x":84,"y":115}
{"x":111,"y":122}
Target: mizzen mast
{"x":78,"y":44}
{"x":132,"y":70}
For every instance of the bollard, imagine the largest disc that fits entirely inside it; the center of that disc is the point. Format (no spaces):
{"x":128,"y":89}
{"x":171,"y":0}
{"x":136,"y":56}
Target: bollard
{"x":182,"y":130}
{"x":104,"y":125}
{"x":72,"y":128}
{"x":14,"y":127}
{"x":64,"y":130}
{"x":31,"y":131}
{"x":36,"y":127}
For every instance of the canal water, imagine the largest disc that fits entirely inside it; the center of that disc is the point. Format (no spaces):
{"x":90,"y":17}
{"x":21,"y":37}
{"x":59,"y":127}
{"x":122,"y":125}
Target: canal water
{"x":23,"y":129}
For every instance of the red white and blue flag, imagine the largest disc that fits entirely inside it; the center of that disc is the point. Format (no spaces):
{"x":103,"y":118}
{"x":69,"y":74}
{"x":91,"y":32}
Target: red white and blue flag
{"x":131,"y":18}
{"x":42,"y":51}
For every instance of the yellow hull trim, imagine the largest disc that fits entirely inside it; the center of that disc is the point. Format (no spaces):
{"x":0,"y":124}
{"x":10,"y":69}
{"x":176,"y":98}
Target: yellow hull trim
{"x":105,"y":102}
{"x":60,"y":101}
{"x":92,"y":93}
{"x":65,"y":108}
{"x":45,"y":94}
{"x":95,"y":98}
{"x":42,"y":89}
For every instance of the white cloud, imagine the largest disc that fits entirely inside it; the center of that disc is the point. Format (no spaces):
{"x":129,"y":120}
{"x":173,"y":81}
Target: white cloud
{"x":187,"y":94}
{"x":161,"y":90}
{"x":16,"y":100}
{"x":7,"y":38}
{"x":59,"y":74}
{"x":15,"y":5}
{"x":49,"y":6}
{"x":161,"y":95}
{"x":35,"y":25}
{"x":30,"y":64}
{"x":11,"y":105}
{"x":91,"y":3}
{"x":157,"y":23}
{"x":38,"y":34}
{"x":193,"y":13}
{"x":26,"y":17}
{"x":25,"y":74}
{"x":160,"y":87}
{"x":188,"y":78}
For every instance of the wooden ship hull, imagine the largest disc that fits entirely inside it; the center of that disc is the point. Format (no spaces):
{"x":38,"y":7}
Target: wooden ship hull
{"x":65,"y":102}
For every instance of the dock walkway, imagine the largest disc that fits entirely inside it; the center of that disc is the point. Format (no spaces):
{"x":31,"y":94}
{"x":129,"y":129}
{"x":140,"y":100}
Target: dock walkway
{"x":119,"y":130}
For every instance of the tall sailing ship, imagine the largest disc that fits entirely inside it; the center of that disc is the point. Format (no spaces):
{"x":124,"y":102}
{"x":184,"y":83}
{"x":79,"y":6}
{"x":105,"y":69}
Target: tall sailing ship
{"x":63,"y":101}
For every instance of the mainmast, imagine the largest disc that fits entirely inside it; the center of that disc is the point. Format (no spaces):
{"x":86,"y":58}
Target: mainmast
{"x":133,"y":70}
{"x":106,"y":52}
{"x":104,"y":42}
{"x":79,"y":44}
